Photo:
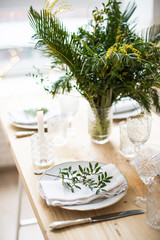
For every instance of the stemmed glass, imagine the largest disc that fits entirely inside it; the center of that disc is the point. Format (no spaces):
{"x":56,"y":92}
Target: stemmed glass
{"x":139,"y":129}
{"x":146,"y":164}
{"x":69,"y":107}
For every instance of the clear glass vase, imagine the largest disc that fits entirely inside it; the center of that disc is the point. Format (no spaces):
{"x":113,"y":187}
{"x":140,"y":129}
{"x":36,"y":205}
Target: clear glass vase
{"x":99,"y":124}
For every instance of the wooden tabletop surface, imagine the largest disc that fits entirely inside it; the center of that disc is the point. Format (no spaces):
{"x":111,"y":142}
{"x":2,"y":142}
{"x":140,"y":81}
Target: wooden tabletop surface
{"x":79,"y":147}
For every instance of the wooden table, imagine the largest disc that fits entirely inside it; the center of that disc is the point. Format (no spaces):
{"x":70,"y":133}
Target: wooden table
{"x":79,"y":148}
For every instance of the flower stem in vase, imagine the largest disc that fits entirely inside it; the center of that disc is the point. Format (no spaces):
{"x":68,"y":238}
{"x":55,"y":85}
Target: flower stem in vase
{"x":99,"y":125}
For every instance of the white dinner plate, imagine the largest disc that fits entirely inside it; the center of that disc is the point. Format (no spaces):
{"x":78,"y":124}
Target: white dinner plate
{"x":28,"y":127}
{"x":27,"y":118}
{"x":126,"y":107}
{"x":94,"y":205}
{"x":23,"y":118}
{"x":123,"y":115}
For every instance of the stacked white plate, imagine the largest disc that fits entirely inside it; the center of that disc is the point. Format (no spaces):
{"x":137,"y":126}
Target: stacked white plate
{"x":27,"y":118}
{"x":56,"y":194}
{"x":126,"y":107}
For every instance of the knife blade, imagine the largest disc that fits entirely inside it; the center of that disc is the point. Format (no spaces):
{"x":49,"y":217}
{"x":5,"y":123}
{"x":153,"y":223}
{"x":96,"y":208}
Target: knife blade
{"x":107,"y":217}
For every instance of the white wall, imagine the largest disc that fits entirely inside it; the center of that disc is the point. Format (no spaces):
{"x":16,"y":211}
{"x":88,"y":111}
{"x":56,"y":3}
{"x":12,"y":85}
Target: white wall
{"x":82,"y":8}
{"x":156,"y":10}
{"x":143,"y":13}
{"x":79,"y":6}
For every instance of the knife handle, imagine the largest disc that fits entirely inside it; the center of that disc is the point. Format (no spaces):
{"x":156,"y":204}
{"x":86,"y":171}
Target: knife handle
{"x":20,"y":134}
{"x":64,"y":224}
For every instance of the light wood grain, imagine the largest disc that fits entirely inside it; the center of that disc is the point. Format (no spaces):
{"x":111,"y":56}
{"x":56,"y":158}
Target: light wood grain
{"x":80,"y":148}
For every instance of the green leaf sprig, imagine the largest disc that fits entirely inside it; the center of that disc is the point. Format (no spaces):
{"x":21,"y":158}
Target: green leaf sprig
{"x":33,"y":111}
{"x":86,"y":176}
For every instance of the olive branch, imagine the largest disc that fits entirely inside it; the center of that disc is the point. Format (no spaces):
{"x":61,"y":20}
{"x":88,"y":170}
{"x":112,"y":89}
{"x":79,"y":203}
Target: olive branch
{"x":86,"y":176}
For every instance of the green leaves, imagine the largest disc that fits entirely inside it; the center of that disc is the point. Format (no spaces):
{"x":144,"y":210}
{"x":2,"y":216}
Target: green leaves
{"x":91,"y":177}
{"x":82,"y":55}
{"x":129,"y":11}
{"x":52,"y":37}
{"x":91,"y":168}
{"x":33,"y":111}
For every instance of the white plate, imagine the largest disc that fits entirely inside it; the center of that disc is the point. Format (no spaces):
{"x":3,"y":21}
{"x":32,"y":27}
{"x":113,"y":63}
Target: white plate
{"x":94,"y":205}
{"x":125,"y":108}
{"x":26,"y":118}
{"x":124,"y":105}
{"x":29,"y":126}
{"x":123,"y":115}
{"x":22,"y":119}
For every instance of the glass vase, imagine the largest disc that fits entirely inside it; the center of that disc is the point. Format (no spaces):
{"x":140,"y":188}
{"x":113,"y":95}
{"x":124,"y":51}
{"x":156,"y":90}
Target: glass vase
{"x":99,"y":124}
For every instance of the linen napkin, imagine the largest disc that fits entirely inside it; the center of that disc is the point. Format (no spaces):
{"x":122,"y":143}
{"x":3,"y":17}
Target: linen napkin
{"x":125,"y":105}
{"x":26,"y":117}
{"x":21,"y":117}
{"x":58,"y":195}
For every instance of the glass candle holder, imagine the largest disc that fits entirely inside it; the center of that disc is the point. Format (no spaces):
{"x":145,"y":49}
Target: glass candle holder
{"x":42,"y":150}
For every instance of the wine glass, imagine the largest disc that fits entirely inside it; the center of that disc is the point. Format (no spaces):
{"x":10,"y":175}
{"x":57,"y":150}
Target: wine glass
{"x":69,"y":107}
{"x":147,"y":165}
{"x":139,"y":129}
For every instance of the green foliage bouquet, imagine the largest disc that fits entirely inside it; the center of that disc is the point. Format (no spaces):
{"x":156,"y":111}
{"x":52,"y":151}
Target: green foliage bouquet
{"x":108,"y":60}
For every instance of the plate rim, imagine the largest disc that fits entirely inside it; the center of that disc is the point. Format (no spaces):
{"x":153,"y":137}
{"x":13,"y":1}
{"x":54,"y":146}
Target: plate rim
{"x":25,"y":125}
{"x":124,"y":100}
{"x":75,"y":207}
{"x":128,"y":113}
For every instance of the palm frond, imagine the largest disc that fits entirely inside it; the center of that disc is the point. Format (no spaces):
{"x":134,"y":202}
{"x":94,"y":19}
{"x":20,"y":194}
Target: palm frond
{"x":128,"y":12}
{"x":61,"y":85}
{"x":151,"y":34}
{"x":52,"y":37}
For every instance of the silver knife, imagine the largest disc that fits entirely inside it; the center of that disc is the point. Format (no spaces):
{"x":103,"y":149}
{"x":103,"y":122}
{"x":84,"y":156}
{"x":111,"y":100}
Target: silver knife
{"x":110,"y":216}
{"x":20,"y":134}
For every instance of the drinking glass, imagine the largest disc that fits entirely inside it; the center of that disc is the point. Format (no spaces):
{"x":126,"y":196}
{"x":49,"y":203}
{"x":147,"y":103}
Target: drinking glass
{"x":69,"y":107}
{"x":147,"y":165}
{"x":139,"y":129}
{"x":57,"y":127}
{"x":126,"y":146}
{"x":153,"y":204}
